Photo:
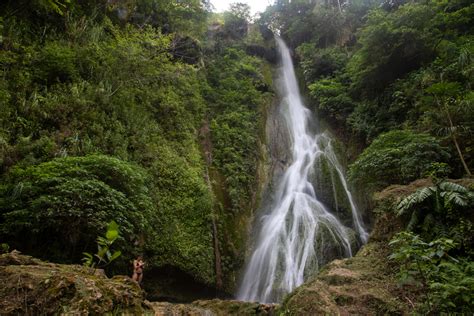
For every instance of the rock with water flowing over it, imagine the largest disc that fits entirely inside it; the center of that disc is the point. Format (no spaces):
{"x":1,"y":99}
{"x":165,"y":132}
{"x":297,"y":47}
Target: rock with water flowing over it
{"x":33,"y":287}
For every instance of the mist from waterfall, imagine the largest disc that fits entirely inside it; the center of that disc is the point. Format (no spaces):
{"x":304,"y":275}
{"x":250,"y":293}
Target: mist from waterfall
{"x":299,"y":230}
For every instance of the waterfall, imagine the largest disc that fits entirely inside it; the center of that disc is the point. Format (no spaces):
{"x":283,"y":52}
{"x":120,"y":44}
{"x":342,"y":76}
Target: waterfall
{"x":299,"y":230}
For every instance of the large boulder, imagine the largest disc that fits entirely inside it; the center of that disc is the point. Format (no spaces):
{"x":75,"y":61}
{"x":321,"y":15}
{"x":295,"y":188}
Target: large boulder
{"x":362,"y":285}
{"x":33,"y":287}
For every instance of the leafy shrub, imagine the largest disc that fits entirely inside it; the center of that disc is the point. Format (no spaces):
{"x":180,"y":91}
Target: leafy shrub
{"x":452,"y":287}
{"x":104,"y":256}
{"x":433,"y":204}
{"x":4,"y":248}
{"x":448,"y":282}
{"x":417,"y":257}
{"x":321,"y":63}
{"x":332,"y":98}
{"x":56,"y":63}
{"x":55,"y":209}
{"x":396,"y":157}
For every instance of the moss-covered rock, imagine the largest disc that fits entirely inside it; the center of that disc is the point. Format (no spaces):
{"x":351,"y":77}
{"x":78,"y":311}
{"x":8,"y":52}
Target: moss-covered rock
{"x":362,"y":285}
{"x":228,"y":307}
{"x":33,"y":287}
{"x":212,"y":308}
{"x":170,"y":309}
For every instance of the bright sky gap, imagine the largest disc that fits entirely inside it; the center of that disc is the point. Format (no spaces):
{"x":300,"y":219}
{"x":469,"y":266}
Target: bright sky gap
{"x":255,"y":5}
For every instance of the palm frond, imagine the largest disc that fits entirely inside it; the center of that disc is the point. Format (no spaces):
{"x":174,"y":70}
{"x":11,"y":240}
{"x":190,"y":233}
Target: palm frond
{"x":455,"y":194}
{"x":415,"y":198}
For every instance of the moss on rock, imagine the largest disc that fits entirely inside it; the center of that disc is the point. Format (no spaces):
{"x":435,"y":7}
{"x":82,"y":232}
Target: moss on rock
{"x":32,"y":287}
{"x":213,"y":307}
{"x":169,"y":309}
{"x":363,"y":285}
{"x":228,"y":307}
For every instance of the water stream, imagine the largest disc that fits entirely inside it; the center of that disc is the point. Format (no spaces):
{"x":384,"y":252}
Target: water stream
{"x":299,"y":232}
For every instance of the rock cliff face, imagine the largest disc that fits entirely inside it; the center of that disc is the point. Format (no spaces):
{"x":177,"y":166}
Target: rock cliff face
{"x":33,"y":287}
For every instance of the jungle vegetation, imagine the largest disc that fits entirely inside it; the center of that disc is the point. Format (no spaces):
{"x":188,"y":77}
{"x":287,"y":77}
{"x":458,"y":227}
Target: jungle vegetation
{"x":127,"y":111}
{"x":151,"y":114}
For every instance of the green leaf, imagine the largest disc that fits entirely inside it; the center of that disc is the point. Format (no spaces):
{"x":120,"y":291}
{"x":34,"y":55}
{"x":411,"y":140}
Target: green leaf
{"x":116,"y":254}
{"x":112,"y":231}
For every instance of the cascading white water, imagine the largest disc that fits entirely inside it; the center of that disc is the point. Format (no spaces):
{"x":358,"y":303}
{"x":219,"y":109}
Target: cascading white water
{"x":299,"y":228}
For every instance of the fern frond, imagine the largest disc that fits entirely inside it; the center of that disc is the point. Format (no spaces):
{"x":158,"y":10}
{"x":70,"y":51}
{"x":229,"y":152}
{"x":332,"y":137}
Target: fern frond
{"x":415,"y":198}
{"x":454,"y":198}
{"x":452,"y":187}
{"x":425,"y":193}
{"x":405,"y":204}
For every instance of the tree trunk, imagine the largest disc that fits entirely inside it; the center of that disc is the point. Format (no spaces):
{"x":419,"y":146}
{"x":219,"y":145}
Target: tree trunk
{"x":466,"y":168}
{"x":451,"y":132}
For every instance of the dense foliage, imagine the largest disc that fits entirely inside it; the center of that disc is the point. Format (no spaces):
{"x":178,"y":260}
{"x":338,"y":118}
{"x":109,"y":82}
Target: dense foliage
{"x":56,"y":209}
{"x":397,"y":157}
{"x":101,"y":107}
{"x":238,"y":93}
{"x":104,"y":89}
{"x":234,"y":80}
{"x":428,"y":265}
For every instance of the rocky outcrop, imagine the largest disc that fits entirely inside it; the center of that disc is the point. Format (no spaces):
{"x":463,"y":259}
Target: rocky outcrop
{"x":170,"y":309}
{"x":229,"y":307}
{"x":33,"y":287}
{"x":362,"y":285}
{"x":212,"y":308}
